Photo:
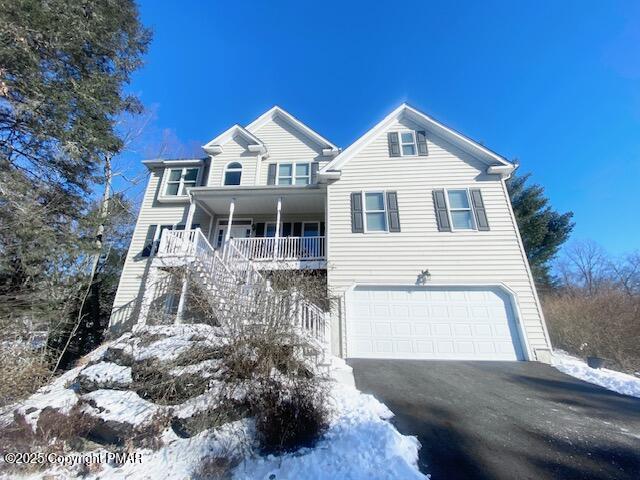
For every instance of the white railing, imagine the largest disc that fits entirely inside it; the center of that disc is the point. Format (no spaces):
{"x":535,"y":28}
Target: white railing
{"x":243,"y":267}
{"x":177,"y":242}
{"x":282,"y":248}
{"x":233,"y":269}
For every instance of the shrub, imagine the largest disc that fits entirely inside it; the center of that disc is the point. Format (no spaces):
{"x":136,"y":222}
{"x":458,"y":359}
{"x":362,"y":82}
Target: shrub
{"x":289,"y":415}
{"x":218,"y":467}
{"x":605,"y":324}
{"x":22,"y":371}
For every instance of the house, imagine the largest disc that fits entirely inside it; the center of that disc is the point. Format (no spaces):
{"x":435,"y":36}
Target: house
{"x":412,"y":225}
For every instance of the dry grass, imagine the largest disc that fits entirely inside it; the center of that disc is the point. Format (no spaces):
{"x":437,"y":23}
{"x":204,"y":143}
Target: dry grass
{"x":605,"y":324}
{"x":22,"y":371}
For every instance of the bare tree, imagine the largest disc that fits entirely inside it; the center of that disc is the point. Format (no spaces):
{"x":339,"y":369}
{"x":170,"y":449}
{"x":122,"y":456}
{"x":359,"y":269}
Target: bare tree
{"x":585,"y":265}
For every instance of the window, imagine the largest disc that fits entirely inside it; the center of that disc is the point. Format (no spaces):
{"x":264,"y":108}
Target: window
{"x":233,"y":174}
{"x":180,"y":179}
{"x":407,"y":143}
{"x":294,"y":174}
{"x":311,"y":229}
{"x":460,"y":210}
{"x":375,"y":212}
{"x":270,"y":230}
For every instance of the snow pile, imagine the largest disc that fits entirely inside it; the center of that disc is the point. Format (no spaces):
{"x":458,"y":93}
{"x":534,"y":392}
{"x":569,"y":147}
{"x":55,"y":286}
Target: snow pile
{"x":109,"y":388}
{"x":609,"y":379}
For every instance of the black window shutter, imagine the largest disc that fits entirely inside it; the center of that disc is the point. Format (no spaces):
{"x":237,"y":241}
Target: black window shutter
{"x":314,"y":173}
{"x":297,"y":229}
{"x":394,"y":144}
{"x":322,"y":229}
{"x":478,"y":208}
{"x":271,"y":174}
{"x":286,"y":229}
{"x":357,"y":223}
{"x":260,"y":229}
{"x":392,"y":212}
{"x":421,"y":141}
{"x":442,"y":216}
{"x":147,"y":250}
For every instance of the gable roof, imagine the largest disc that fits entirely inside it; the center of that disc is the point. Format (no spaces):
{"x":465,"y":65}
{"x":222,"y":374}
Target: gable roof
{"x":329,"y":149}
{"x":406,"y":111}
{"x":216,"y":145}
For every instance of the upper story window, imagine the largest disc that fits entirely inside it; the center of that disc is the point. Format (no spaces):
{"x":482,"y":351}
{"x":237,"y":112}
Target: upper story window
{"x":408,"y":143}
{"x":375,"y":212}
{"x":294,"y":174}
{"x":460,"y":209}
{"x":179,"y":179}
{"x":233,"y":174}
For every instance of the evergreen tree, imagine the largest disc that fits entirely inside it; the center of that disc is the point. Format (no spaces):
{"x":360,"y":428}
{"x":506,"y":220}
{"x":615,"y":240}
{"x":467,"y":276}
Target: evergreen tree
{"x":543,"y":230}
{"x":63,"y":64}
{"x":63,"y":68}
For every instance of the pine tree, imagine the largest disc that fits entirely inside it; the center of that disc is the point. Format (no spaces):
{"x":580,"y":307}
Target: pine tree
{"x":64,"y":65}
{"x":543,"y":229}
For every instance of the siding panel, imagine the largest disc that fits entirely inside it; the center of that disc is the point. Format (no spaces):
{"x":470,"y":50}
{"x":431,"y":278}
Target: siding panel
{"x":487,"y":256}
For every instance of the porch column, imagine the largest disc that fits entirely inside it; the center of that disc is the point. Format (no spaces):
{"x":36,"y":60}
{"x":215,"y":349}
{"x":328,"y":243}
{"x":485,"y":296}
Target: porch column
{"x":190,"y":213}
{"x":232,"y":207}
{"x":277,"y":235}
{"x":183,"y":298}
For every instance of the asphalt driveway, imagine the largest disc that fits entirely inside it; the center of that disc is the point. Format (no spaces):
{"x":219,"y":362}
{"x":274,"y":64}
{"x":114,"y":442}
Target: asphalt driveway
{"x":507,"y":420}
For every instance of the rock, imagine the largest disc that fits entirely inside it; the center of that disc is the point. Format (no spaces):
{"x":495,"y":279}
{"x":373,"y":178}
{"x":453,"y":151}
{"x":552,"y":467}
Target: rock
{"x":104,"y":375}
{"x":204,"y":420}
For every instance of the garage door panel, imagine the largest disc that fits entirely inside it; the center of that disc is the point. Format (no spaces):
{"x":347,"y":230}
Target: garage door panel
{"x":382,"y":329}
{"x":431,"y":323}
{"x":402,"y":329}
{"x":421,"y":329}
{"x":462,"y":330}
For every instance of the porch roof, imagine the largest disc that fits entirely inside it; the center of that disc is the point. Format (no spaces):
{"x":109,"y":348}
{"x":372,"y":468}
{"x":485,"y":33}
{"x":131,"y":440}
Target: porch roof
{"x":261,"y":200}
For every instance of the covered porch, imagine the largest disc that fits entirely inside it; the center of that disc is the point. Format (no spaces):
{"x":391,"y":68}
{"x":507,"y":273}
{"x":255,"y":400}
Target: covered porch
{"x":275,"y":227}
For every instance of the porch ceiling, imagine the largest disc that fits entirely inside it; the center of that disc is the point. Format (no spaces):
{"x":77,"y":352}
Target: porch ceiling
{"x":251,"y":200}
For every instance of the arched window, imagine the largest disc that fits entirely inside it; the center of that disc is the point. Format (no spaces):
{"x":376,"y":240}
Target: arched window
{"x":233,"y":174}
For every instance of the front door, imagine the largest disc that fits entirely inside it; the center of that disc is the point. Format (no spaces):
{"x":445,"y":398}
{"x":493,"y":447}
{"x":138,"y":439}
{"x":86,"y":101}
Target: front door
{"x":237,"y":231}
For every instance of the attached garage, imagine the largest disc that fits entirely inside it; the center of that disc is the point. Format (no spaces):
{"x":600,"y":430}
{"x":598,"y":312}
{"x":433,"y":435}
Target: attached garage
{"x":436,"y":323}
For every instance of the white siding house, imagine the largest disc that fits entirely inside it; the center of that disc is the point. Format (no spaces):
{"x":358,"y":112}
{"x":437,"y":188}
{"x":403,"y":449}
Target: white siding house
{"x":412,"y":224}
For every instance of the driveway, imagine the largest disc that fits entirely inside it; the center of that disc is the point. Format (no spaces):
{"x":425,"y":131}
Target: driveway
{"x":507,"y":420}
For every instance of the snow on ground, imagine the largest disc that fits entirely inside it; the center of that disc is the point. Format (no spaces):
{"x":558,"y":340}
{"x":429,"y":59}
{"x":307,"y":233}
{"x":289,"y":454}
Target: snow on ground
{"x":108,"y":372}
{"x":609,"y":379}
{"x":360,"y":445}
{"x":120,"y":406}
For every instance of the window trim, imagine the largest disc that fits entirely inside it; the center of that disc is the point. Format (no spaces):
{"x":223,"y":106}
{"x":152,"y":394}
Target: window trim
{"x":227,"y":169}
{"x":293,"y":176}
{"x":401,"y":143}
{"x":474,"y":227}
{"x":165,"y":181}
{"x":364,"y":211}
{"x":317,"y":222}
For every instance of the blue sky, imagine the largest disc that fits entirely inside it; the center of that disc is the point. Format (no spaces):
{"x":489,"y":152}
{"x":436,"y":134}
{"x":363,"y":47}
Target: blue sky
{"x":555,"y":85}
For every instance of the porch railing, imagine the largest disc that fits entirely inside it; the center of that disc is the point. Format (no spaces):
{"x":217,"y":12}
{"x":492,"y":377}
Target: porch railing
{"x":282,"y":248}
{"x":177,"y":242}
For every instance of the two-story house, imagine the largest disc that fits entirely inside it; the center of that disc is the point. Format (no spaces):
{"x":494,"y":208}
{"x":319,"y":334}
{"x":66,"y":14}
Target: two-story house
{"x":412,"y":224}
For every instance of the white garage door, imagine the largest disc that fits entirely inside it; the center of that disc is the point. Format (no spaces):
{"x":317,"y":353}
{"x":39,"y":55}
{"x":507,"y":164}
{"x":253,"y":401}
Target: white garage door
{"x":447,"y":323}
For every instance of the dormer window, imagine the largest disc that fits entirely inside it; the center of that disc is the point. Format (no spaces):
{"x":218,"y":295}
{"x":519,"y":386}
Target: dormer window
{"x":407,"y":143}
{"x":179,"y":179}
{"x":233,"y":174}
